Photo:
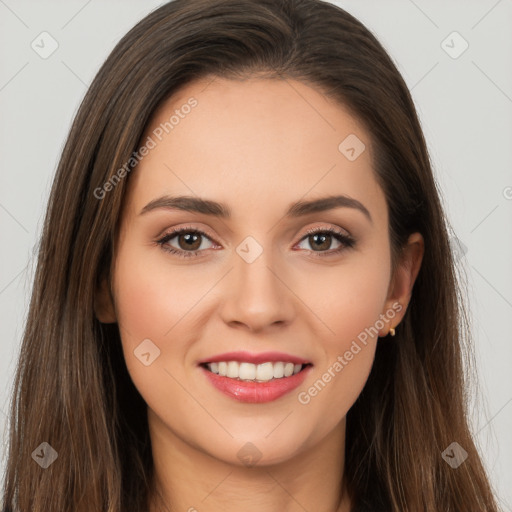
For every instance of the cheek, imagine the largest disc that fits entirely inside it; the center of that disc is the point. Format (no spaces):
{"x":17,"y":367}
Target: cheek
{"x":150,"y":300}
{"x":154,"y":302}
{"x":349,"y":298}
{"x":150,"y":305}
{"x":352,"y":313}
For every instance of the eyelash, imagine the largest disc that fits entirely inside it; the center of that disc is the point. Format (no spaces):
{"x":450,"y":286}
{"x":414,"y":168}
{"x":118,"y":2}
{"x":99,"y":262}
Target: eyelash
{"x":347,"y":241}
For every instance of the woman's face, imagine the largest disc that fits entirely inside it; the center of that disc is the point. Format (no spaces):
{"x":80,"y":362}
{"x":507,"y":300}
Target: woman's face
{"x":254,"y":280}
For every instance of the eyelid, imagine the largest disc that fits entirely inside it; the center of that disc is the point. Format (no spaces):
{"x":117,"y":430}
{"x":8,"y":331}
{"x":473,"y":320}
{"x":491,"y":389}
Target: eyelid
{"x":329,"y":229}
{"x":171,"y":233}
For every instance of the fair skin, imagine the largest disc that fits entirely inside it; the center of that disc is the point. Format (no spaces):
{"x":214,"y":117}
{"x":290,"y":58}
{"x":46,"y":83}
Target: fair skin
{"x":257,"y":146}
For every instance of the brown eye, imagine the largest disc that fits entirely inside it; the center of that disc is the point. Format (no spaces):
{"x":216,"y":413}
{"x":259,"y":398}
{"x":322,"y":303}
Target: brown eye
{"x":321,"y":240}
{"x":189,"y":241}
{"x":185,"y":242}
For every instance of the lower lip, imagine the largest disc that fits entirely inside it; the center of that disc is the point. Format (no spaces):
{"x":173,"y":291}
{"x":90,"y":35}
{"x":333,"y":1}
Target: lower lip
{"x":256,"y":392}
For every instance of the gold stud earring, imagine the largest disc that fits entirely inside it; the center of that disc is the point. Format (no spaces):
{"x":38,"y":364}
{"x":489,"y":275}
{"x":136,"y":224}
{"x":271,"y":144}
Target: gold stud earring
{"x":392,"y":331}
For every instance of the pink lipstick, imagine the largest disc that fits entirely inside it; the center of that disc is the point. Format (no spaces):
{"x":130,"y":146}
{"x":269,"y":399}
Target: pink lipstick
{"x":255,"y":378}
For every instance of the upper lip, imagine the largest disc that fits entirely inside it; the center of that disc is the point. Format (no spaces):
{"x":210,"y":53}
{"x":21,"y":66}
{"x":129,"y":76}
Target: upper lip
{"x":262,"y":357}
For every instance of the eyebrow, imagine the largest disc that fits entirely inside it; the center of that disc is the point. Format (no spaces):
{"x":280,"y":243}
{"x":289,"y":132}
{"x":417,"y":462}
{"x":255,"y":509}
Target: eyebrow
{"x":209,"y":207}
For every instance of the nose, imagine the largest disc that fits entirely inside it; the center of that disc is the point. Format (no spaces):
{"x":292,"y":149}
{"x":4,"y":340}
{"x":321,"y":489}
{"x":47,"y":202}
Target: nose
{"x":257,"y":296}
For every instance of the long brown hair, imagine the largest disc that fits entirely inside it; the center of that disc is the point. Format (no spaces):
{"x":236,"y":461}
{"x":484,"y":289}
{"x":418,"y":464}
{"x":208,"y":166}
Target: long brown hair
{"x":72,"y":389}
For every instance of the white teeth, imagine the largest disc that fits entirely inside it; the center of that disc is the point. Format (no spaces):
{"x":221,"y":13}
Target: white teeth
{"x":278,"y":370}
{"x":247,"y":371}
{"x":259,"y":372}
{"x":265,"y":371}
{"x":232,"y":369}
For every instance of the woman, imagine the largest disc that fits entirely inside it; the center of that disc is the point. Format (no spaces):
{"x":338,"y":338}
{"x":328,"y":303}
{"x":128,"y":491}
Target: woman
{"x":245,"y":296}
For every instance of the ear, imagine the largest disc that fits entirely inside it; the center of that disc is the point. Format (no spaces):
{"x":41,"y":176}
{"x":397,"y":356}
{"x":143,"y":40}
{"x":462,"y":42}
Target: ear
{"x":402,"y":282}
{"x":104,"y":303}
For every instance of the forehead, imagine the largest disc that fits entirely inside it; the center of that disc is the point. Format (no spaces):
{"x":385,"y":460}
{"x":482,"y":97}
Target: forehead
{"x":242,"y":142}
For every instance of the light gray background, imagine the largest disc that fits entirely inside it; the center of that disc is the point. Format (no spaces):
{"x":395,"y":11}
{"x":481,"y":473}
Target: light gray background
{"x":465,"y":105}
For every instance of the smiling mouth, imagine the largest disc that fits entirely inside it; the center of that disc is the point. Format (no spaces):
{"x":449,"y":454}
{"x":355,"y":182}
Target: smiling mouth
{"x":264,"y":372}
